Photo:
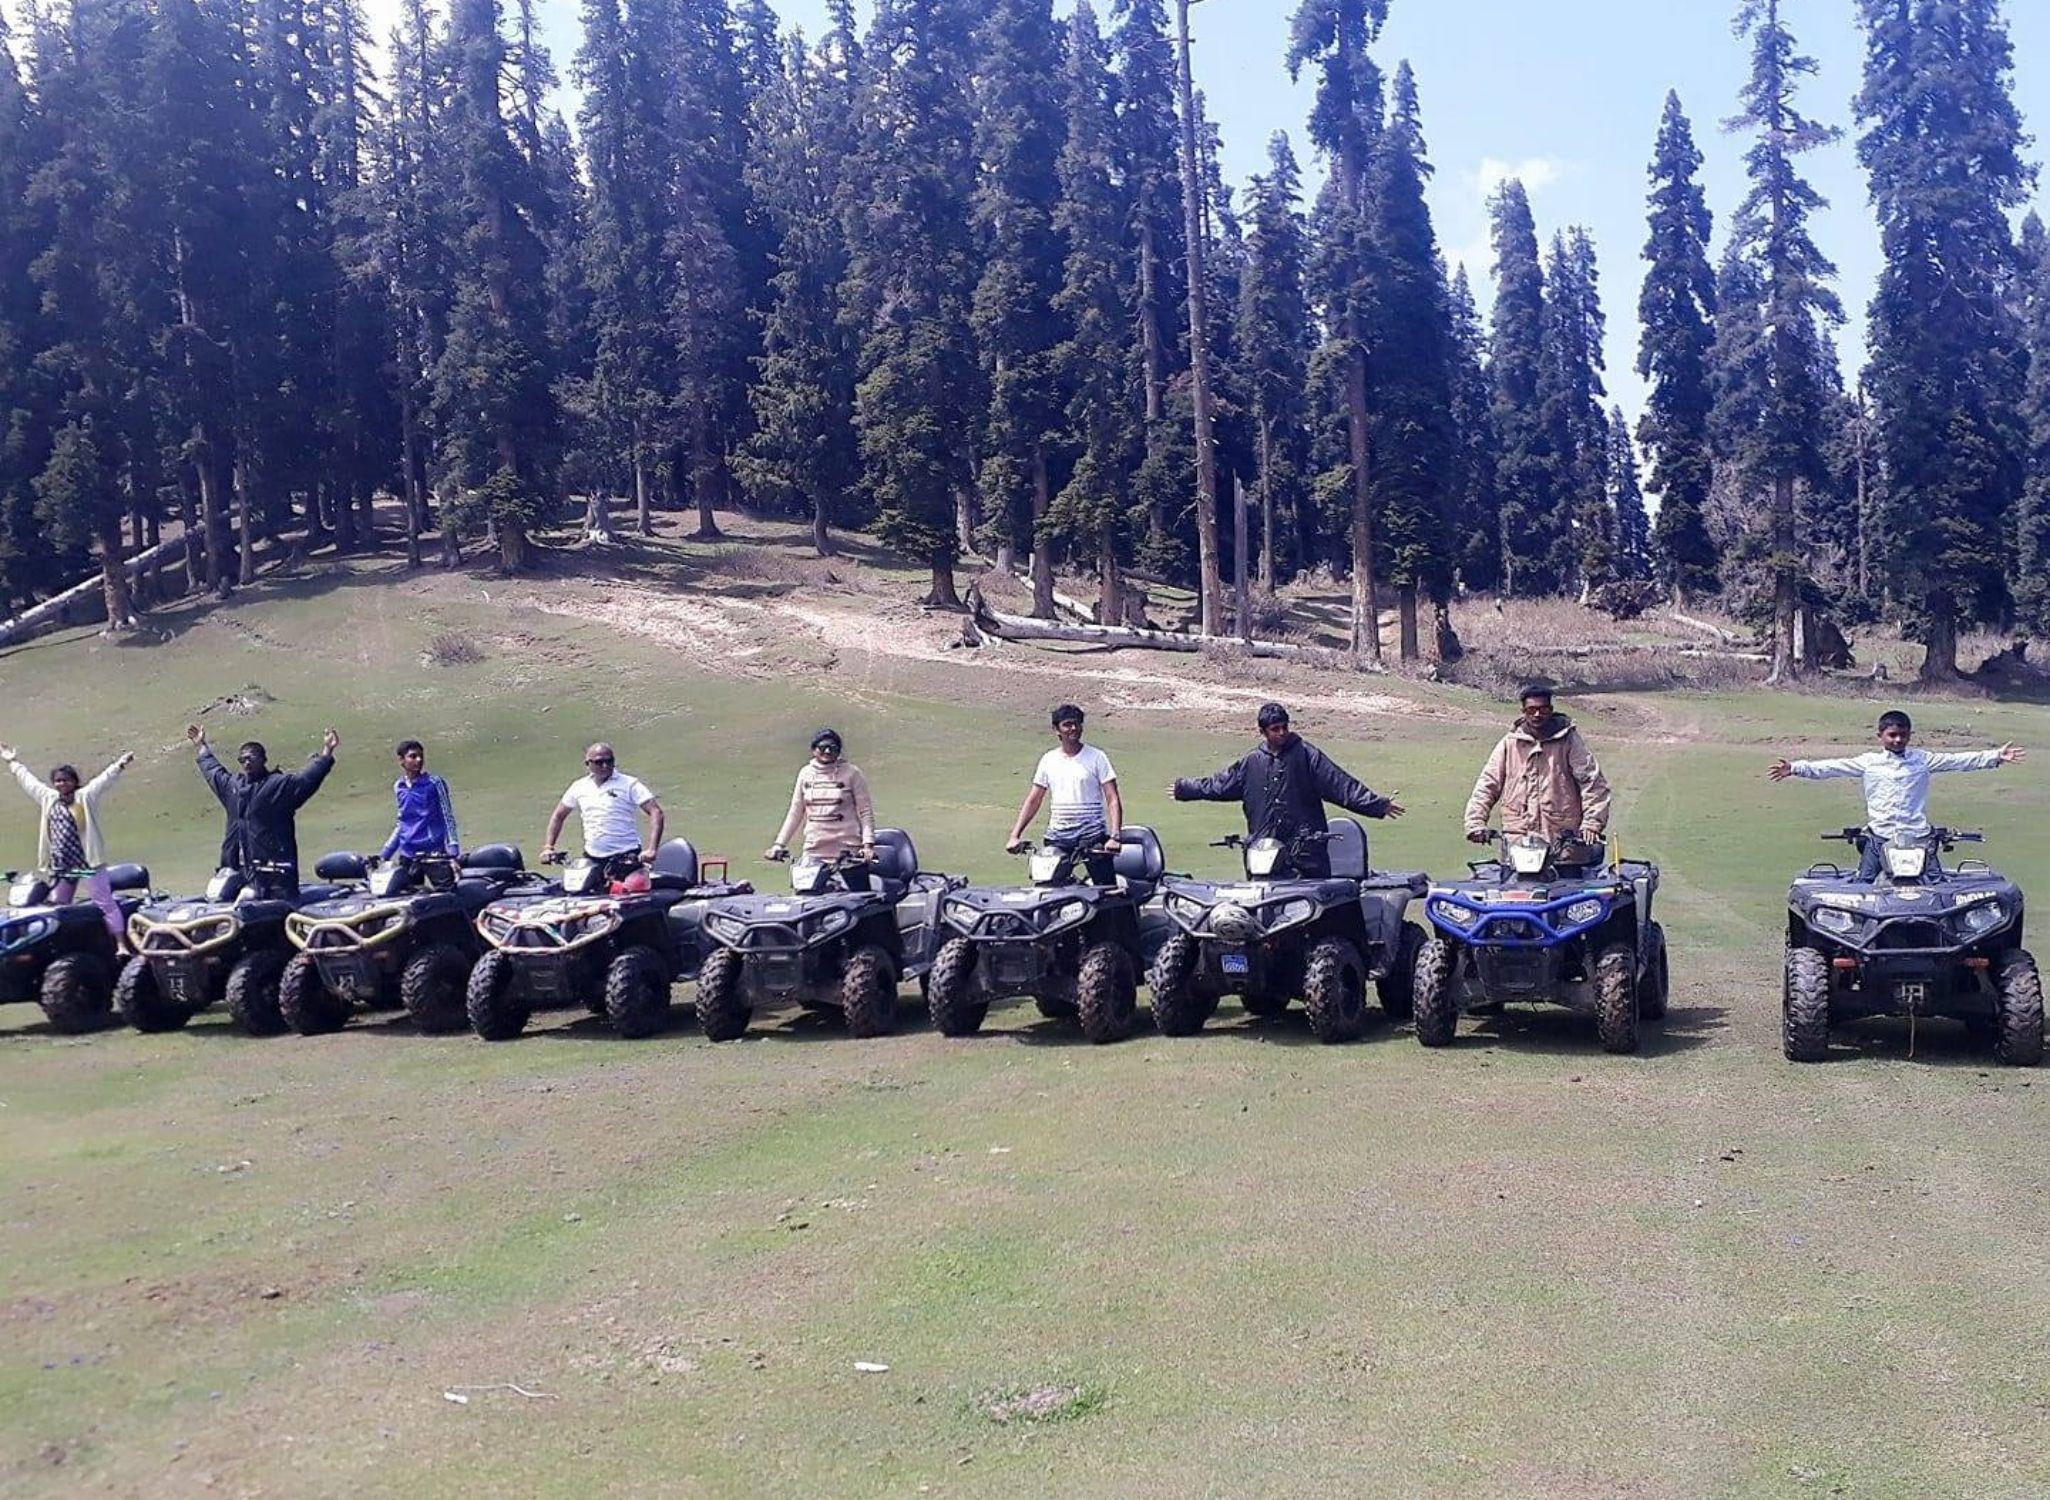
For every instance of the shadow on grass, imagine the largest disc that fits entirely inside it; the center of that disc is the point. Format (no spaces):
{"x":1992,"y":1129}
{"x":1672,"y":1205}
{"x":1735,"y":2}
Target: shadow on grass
{"x":1935,"y":1043}
{"x":1555,"y":1030}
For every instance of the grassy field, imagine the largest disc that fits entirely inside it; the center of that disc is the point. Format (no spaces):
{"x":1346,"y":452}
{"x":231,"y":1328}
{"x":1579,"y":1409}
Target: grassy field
{"x":1231,"y":1265}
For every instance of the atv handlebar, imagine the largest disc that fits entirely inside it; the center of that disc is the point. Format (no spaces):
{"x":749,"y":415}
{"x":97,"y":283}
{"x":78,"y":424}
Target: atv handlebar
{"x":1943,"y":838}
{"x":1238,"y":840}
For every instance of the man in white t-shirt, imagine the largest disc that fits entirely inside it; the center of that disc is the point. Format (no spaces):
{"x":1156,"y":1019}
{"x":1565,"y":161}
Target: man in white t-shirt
{"x":609,"y":804}
{"x":1087,"y":810}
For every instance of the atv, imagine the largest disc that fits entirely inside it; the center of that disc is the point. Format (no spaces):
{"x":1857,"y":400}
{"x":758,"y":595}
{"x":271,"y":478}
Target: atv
{"x":1076,"y":948}
{"x":402,"y":933}
{"x":1546,"y":924}
{"x":1273,"y":938}
{"x":826,"y":946}
{"x":226,"y":946}
{"x":63,"y":957}
{"x":1920,"y":940}
{"x":612,"y":946}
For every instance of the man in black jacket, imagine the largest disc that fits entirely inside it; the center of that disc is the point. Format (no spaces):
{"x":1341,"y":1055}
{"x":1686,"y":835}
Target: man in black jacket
{"x":263,"y":808}
{"x":1284,"y":783}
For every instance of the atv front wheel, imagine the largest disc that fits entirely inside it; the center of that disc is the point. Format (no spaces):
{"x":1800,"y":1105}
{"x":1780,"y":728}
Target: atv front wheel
{"x":2020,"y":1042}
{"x":1107,"y":993}
{"x":1615,"y":997}
{"x":491,"y":1000}
{"x":868,"y":993}
{"x":253,"y":998}
{"x":1432,"y":1003}
{"x":431,"y":988}
{"x":77,"y":994}
{"x":722,"y":1010}
{"x":1804,"y":1019}
{"x":1397,"y":988}
{"x":637,"y":993}
{"x":1179,"y":1008}
{"x":1656,"y":983}
{"x":142,"y":1001}
{"x":950,"y":990}
{"x":1335,"y":991}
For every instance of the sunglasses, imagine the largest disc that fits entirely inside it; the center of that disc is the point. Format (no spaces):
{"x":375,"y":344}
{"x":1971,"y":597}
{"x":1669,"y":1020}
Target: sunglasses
{"x":249,"y":760}
{"x":597,"y":760}
{"x":830,"y":751}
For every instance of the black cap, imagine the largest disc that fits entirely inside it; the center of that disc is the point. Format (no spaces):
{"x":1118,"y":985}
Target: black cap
{"x":1066,"y":711}
{"x":826,"y":737}
{"x":1271,"y":714}
{"x":1534,"y":690}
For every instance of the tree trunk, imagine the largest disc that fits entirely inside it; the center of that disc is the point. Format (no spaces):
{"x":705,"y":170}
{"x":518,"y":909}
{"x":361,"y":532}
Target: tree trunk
{"x":1153,"y":361}
{"x":644,"y":500}
{"x":245,"y":526}
{"x":344,"y":514}
{"x":1405,"y":608}
{"x":821,"y":535}
{"x":512,"y":546}
{"x":1267,"y":506}
{"x":1109,"y":584}
{"x":964,"y":520}
{"x":415,"y":486}
{"x":943,"y":595}
{"x":1209,"y":587}
{"x":114,"y":578}
{"x":704,"y":463}
{"x":1042,"y":556}
{"x":209,"y":471}
{"x":1449,"y":646}
{"x":598,"y":516}
{"x":1242,"y":604}
{"x":1786,"y":595}
{"x":188,"y":516}
{"x":1939,"y":655}
{"x":1366,"y":606}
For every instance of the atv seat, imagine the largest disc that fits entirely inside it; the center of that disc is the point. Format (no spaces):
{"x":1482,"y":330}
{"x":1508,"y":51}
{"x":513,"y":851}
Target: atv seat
{"x":341,"y":865}
{"x":1140,"y":860}
{"x":494,"y":857}
{"x":128,"y":877}
{"x":676,"y":866}
{"x":896,"y":857}
{"x":1347,"y":850}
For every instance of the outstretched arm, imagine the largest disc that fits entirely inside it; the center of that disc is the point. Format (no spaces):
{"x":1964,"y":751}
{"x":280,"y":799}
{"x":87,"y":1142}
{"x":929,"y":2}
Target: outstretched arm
{"x":1976,"y":760}
{"x":1341,"y":788}
{"x":1228,"y":785}
{"x":1816,"y":770}
{"x":110,"y":775}
{"x":30,"y":783}
{"x":219,"y":779}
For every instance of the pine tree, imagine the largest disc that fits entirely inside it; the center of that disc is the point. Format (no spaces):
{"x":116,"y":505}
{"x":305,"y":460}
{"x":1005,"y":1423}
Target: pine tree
{"x":1409,"y":361}
{"x":2032,"y":512}
{"x":1275,"y":339}
{"x":1779,"y":386}
{"x":1583,"y":546}
{"x":1526,"y":478}
{"x":1676,"y":312}
{"x":1209,"y":591}
{"x":1626,"y":501}
{"x":1942,"y":146}
{"x":912,"y":278}
{"x":1018,"y":140}
{"x":1094,"y":506}
{"x":1476,"y":508}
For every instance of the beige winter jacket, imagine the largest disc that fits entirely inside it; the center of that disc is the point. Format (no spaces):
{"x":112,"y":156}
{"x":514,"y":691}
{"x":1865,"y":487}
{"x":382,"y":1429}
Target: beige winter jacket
{"x":85,"y":808}
{"x":1546,"y":785}
{"x":832,"y":804}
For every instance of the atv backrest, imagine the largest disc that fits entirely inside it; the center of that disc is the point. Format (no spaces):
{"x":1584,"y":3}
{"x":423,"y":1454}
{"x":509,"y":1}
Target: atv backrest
{"x":341,"y":865}
{"x":676,"y":864}
{"x":1347,"y":847}
{"x":128,"y":877}
{"x":1139,"y":855}
{"x":494,"y":857}
{"x":896,"y":856}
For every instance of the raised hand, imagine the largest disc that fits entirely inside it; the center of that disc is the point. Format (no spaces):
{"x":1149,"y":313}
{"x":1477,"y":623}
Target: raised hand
{"x":2011,"y":753}
{"x":1780,"y":770}
{"x":330,"y":742}
{"x":196,"y":734}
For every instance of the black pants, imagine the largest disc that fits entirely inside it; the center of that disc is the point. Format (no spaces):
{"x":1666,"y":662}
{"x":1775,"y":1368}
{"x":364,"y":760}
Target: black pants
{"x":1102,"y":868}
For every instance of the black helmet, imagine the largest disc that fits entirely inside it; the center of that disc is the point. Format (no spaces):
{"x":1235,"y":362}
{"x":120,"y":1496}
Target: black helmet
{"x":827,"y":737}
{"x":1271,"y":714}
{"x":1066,"y":711}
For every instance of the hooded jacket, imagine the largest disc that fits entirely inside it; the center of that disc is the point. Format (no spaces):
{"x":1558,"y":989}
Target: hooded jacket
{"x":263,"y":811}
{"x":1546,"y":783}
{"x":1284,"y":792}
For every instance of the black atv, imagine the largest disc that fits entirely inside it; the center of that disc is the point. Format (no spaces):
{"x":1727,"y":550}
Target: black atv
{"x":62,"y":957}
{"x":1546,"y":924}
{"x":825,"y":946}
{"x":1920,"y":940}
{"x":1076,"y":948}
{"x":1270,"y":939}
{"x":606,"y":945}
{"x":403,"y":932}
{"x":225,"y":947}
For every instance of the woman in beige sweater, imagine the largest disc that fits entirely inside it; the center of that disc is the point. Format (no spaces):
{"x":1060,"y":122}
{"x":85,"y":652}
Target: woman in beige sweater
{"x":831,"y":803}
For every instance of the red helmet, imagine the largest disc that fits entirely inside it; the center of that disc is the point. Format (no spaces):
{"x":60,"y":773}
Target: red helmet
{"x":633,"y":885}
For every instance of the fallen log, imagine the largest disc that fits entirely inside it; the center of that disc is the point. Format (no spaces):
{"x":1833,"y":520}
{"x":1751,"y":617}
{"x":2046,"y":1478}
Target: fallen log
{"x":1727,"y":637}
{"x":1126,"y":637}
{"x":1608,"y":649}
{"x":57,"y":608}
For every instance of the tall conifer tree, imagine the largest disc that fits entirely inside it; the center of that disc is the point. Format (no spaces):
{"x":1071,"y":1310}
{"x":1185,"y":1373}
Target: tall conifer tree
{"x":1526,"y":481}
{"x":1275,"y":338}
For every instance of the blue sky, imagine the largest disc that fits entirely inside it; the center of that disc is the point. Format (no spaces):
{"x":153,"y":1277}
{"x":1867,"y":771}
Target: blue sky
{"x":1565,"y":94}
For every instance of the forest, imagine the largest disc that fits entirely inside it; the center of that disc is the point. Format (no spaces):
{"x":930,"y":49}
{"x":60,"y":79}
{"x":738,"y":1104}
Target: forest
{"x":966,"y":275}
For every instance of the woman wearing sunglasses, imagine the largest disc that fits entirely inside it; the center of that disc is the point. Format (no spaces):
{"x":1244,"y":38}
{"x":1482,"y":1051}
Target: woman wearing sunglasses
{"x":832,"y":805}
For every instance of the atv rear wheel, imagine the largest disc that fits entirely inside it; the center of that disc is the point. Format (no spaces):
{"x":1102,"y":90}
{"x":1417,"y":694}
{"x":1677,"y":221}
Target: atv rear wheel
{"x":950,"y":990}
{"x":1179,"y":1008}
{"x":496,"y":1010}
{"x":868,"y":993}
{"x":637,"y":993}
{"x":1397,"y":988}
{"x":253,"y":999}
{"x":1335,"y":991}
{"x":1107,"y":993}
{"x":142,"y":1001}
{"x":431,"y":988}
{"x":2020,"y":997}
{"x":1615,"y":997}
{"x":1804,"y":1001}
{"x":1433,"y":1006}
{"x":1656,"y":983}
{"x":722,"y":1010}
{"x":77,"y":994}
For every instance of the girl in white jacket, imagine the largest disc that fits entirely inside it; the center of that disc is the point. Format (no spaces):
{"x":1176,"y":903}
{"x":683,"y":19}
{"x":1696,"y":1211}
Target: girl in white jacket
{"x":71,"y":845}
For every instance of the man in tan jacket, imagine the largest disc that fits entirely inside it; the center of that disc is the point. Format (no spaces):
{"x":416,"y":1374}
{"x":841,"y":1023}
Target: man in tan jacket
{"x":1544,"y":778}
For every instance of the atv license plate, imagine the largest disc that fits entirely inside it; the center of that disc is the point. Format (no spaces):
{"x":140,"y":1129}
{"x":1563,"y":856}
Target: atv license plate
{"x":1911,"y":995}
{"x":1235,"y":963}
{"x":354,"y":978}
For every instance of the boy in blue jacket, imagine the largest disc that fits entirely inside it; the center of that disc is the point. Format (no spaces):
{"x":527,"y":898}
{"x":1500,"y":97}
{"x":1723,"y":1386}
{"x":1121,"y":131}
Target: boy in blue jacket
{"x":427,"y":812}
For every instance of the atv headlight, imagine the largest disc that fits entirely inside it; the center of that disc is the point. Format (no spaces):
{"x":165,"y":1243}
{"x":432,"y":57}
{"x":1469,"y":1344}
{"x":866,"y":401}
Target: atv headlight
{"x":1453,"y":914}
{"x":726,"y":929}
{"x":1289,"y":914}
{"x":1830,"y":919}
{"x":1067,"y":914}
{"x":1262,"y":855}
{"x":1906,"y":862}
{"x":836,"y":920}
{"x":1982,"y":918}
{"x":1580,"y":913}
{"x":587,"y":928}
{"x":959,"y":913}
{"x":1529,"y":856}
{"x":21,"y":934}
{"x":1186,"y":908}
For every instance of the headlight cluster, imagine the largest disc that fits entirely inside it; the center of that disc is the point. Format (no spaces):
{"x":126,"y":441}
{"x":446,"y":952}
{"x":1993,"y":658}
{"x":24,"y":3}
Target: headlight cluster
{"x":726,"y":929}
{"x":1289,"y":914}
{"x":1835,"y":919}
{"x":586,"y":928}
{"x":1453,"y":914}
{"x":1975,"y":921}
{"x":1580,"y":913}
{"x":1068,"y":914}
{"x":1187,"y":908}
{"x":839,"y":919}
{"x":381,"y":922}
{"x":21,"y":934}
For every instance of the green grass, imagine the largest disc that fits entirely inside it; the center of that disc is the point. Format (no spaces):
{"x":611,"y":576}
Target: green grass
{"x":1517,"y":1269}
